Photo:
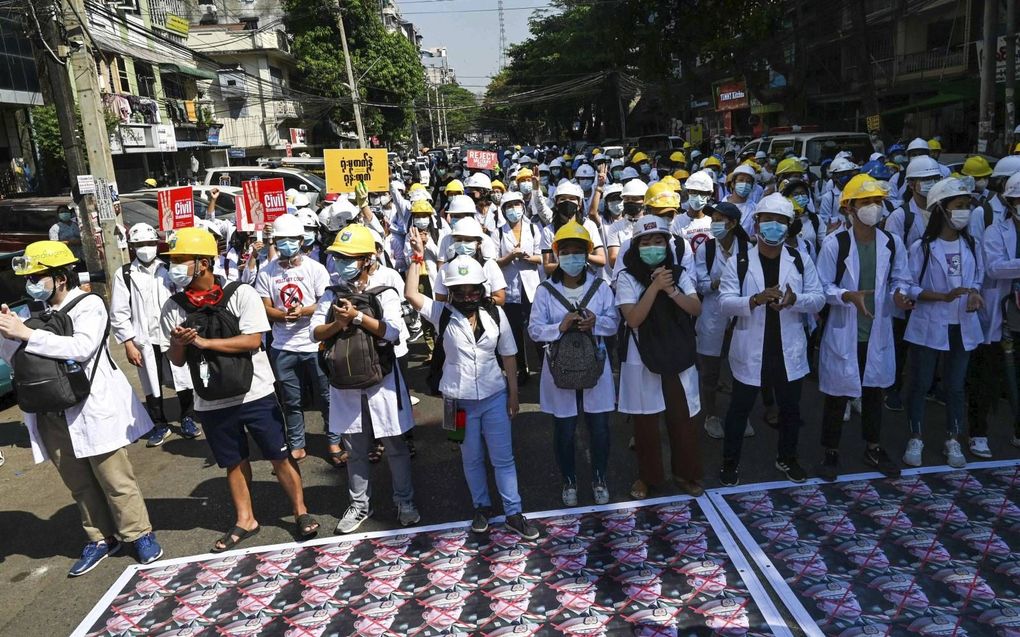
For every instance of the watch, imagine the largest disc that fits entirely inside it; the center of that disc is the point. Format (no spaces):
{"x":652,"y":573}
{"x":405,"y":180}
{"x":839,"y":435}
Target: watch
{"x":358,"y":318}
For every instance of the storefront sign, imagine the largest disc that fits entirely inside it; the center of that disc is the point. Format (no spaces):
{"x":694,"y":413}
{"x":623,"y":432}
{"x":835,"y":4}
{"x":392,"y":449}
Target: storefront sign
{"x":731,"y":96}
{"x":297,"y":136}
{"x":176,"y":24}
{"x":133,"y":136}
{"x":1000,"y":59}
{"x":176,"y":207}
{"x":236,"y":153}
{"x":265,"y":200}
{"x":346,"y":167}
{"x":481,"y":159}
{"x":874,"y":123}
{"x":86,"y":184}
{"x":166,"y":138}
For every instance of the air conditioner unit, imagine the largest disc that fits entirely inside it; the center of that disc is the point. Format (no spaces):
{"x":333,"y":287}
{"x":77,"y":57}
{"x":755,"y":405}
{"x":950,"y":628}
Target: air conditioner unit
{"x":232,"y":84}
{"x":207,"y":14}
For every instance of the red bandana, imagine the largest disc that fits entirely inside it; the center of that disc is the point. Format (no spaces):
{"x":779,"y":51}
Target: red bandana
{"x":200,"y":298}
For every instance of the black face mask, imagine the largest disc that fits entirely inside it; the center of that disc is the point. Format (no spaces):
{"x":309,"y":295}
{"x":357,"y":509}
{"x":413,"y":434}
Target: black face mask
{"x":566,"y":210}
{"x":466,"y":308}
{"x":631,"y":208}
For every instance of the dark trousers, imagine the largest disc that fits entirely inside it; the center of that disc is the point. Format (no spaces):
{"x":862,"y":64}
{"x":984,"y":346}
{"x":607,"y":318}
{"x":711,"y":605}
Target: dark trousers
{"x":984,"y":386}
{"x":684,"y":445}
{"x":155,"y":404}
{"x":871,"y":409}
{"x":899,"y":328}
{"x":925,"y":360}
{"x":787,"y":396}
{"x":517,"y":315}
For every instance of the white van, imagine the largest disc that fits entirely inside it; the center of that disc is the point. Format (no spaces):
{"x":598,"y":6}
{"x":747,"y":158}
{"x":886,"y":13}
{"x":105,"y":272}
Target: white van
{"x":817,"y":147}
{"x":301,"y":180}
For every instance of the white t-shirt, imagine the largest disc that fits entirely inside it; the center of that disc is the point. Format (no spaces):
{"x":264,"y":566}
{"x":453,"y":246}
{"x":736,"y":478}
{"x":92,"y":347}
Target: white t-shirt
{"x":696,"y":231}
{"x":548,"y":233}
{"x":629,"y":291}
{"x":388,"y":277}
{"x":300,"y":285}
{"x":247,"y":306}
{"x":954,"y":269}
{"x":620,"y":231}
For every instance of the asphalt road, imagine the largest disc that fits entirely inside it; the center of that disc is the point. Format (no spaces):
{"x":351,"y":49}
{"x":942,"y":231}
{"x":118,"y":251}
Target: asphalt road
{"x":40,"y":535}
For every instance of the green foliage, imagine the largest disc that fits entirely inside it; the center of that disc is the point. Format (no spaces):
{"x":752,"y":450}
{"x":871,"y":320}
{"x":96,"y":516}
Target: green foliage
{"x":462,"y":114}
{"x":47,"y":132}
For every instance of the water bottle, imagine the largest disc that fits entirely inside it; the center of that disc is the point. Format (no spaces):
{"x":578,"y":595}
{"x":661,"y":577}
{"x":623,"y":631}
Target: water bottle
{"x":72,"y":367}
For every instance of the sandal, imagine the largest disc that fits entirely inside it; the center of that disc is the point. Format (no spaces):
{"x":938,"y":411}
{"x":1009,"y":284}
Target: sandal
{"x":338,"y":458}
{"x":233,"y":537}
{"x":307,"y":526}
{"x":375,"y":455}
{"x":639,"y":490}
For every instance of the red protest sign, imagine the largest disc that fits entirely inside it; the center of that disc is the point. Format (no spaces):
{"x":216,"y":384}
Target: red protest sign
{"x":481,"y":159}
{"x":176,"y":207}
{"x":265,"y":200}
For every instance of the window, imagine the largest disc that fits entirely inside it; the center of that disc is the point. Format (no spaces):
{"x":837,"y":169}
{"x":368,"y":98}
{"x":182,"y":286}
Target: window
{"x":118,"y":75}
{"x":942,"y":34}
{"x":276,"y":76}
{"x":146,"y":79}
{"x":173,"y":86}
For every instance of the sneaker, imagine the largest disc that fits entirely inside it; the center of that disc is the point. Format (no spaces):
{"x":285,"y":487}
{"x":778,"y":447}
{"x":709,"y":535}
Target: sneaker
{"x":792,"y":469}
{"x":353,"y":517}
{"x":846,"y":412}
{"x":979,"y":447}
{"x":414,"y":400}
{"x":829,"y":469}
{"x":157,"y":436}
{"x":148,"y":548}
{"x":893,"y":402}
{"x":480,"y":522}
{"x":877,"y":458}
{"x":569,"y":494}
{"x":912,"y":456}
{"x":714,"y":427}
{"x":954,"y":454}
{"x":189,"y":428}
{"x":520,"y":525}
{"x":601,"y":493}
{"x":748,"y":430}
{"x":407,"y":514}
{"x":729,"y":475}
{"x":92,"y":555}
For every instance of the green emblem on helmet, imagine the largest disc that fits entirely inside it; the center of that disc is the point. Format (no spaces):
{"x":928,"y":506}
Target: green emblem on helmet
{"x":462,"y":270}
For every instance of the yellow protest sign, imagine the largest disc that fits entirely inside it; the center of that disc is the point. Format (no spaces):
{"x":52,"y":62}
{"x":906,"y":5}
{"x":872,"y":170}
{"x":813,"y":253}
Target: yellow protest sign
{"x":345,"y":167}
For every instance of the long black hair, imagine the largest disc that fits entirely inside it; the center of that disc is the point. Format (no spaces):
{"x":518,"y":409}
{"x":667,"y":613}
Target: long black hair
{"x":640,"y":270}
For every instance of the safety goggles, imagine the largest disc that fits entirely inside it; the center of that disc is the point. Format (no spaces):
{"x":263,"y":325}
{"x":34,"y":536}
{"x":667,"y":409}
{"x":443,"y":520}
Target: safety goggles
{"x":23,"y":265}
{"x":874,"y":189}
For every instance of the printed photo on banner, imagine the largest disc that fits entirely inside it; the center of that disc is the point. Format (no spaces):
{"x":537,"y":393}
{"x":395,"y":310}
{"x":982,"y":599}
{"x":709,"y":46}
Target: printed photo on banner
{"x":264,"y":201}
{"x":176,"y":207}
{"x":346,"y":167}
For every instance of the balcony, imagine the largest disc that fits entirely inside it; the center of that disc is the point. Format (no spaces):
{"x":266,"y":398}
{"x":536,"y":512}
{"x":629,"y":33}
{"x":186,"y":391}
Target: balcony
{"x":912,"y":66}
{"x":935,"y":60}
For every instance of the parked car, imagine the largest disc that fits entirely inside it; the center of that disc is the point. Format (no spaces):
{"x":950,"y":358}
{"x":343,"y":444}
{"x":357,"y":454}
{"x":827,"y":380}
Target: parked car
{"x":27,"y":219}
{"x":652,"y":143}
{"x":817,"y":147}
{"x":613,"y":152}
{"x":309,"y":183}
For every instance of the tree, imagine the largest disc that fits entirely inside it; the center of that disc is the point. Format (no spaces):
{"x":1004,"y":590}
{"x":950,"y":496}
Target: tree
{"x":462,"y":114}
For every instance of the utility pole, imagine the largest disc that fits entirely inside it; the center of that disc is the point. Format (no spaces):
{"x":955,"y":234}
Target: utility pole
{"x":986,"y":109}
{"x":432,"y":128}
{"x":444,"y":131}
{"x":619,"y":104}
{"x":355,"y":94}
{"x":1011,"y":27}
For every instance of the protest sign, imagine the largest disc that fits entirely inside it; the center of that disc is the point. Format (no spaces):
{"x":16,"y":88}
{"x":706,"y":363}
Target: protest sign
{"x":346,"y":167}
{"x":481,"y":159}
{"x":176,"y":207}
{"x":264,"y":200}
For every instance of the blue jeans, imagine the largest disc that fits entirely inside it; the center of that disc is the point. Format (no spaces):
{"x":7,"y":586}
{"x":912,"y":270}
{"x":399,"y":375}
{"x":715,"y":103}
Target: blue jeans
{"x":291,"y":369}
{"x":488,"y":418}
{"x":922,"y":374}
{"x":598,"y":435}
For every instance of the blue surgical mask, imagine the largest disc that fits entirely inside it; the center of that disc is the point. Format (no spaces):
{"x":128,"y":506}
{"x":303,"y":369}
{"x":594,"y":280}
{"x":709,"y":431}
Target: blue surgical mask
{"x":719,"y":229}
{"x":464,"y":248}
{"x":40,"y":290}
{"x":526,"y":187}
{"x":586,"y":184}
{"x":614,"y":208}
{"x":421,"y":222}
{"x":308,"y":239}
{"x":288,"y":247}
{"x":179,"y":274}
{"x":742,"y":188}
{"x":646,"y":168}
{"x":513,"y":214}
{"x":697,"y":202}
{"x":652,"y":255}
{"x":64,"y":216}
{"x":801,"y":200}
{"x":347,"y":269}
{"x":772,"y":232}
{"x":573,"y":264}
{"x":544,"y":180}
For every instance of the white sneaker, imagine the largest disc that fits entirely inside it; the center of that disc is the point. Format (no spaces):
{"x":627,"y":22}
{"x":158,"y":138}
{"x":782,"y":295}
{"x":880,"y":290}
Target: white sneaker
{"x":407,"y":514}
{"x":846,"y":412}
{"x":601,"y":493}
{"x":748,"y":430}
{"x":855,"y":405}
{"x":912,"y":457}
{"x":714,"y":427}
{"x":351,"y":520}
{"x":979,"y":447}
{"x":569,"y":495}
{"x":954,"y":455}
{"x":414,"y":400}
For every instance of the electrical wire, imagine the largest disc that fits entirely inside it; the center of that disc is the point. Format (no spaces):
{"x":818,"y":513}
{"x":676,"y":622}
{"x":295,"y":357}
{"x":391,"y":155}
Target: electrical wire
{"x":42,"y":36}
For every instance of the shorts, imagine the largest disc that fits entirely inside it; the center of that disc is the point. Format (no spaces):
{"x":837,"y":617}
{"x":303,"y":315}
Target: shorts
{"x":227,"y":431}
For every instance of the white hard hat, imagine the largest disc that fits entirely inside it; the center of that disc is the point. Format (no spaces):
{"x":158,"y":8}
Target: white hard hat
{"x":948,"y":188}
{"x":918,"y":144}
{"x":210,"y":226}
{"x":629,"y":173}
{"x":616,"y":163}
{"x":291,"y":193}
{"x":344,"y":210}
{"x":329,"y":220}
{"x":478,"y":180}
{"x":613,"y":189}
{"x":1007,"y":166}
{"x":461,"y":205}
{"x":525,"y":160}
{"x":543,"y":168}
{"x":842,"y":154}
{"x":142,"y":232}
{"x":635,"y":188}
{"x":398,"y":185}
{"x":742,"y":169}
{"x":1012,"y":189}
{"x":876,"y":157}
{"x":288,"y":226}
{"x":463,"y":270}
{"x":842,"y":164}
{"x":301,"y":200}
{"x":650,"y":224}
{"x":307,"y":217}
{"x":585,"y":171}
{"x":557,"y":162}
{"x":776,"y":204}
{"x":467,"y":227}
{"x":511,"y":197}
{"x":760,"y":155}
{"x":569,"y":189}
{"x":923,"y":166}
{"x":702,"y":181}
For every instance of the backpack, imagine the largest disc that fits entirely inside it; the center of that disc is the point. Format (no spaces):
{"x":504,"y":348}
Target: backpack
{"x":43,"y":384}
{"x":216,"y":375}
{"x":742,"y":263}
{"x":576,"y":360}
{"x":126,"y":272}
{"x":354,"y":358}
{"x":666,"y":339}
{"x":710,"y":248}
{"x":435,"y":376}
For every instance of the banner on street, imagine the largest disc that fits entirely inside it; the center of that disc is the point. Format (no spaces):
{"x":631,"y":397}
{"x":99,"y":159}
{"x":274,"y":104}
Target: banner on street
{"x":176,"y":207}
{"x":481,"y":159}
{"x":347,"y":166}
{"x":264,"y":200}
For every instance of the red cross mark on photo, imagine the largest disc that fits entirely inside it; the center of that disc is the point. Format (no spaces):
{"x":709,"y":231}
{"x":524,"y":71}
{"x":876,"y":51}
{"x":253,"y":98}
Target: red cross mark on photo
{"x":291,"y":295}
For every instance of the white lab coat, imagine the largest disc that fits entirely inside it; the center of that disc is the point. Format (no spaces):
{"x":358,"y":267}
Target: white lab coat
{"x":345,"y":404}
{"x":544,"y":327}
{"x":1001,"y":267}
{"x":111,"y":416}
{"x":839,"y":371}
{"x":929,"y":321}
{"x":749,"y":329}
{"x":711,"y":325}
{"x":521,"y":277}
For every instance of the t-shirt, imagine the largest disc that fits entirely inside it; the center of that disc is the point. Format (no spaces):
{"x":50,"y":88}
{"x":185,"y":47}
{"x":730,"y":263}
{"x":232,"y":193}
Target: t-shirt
{"x":293,"y":286}
{"x":697,"y":231}
{"x":618,"y":232}
{"x":772,"y":347}
{"x":866,"y":281}
{"x":954,"y":269}
{"x":247,"y":306}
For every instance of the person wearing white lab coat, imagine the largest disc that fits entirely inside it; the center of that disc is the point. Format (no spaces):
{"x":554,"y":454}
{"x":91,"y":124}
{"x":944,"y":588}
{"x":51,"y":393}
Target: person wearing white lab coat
{"x":620,"y":231}
{"x":519,"y":245}
{"x":86,"y":441}
{"x":856,"y":356}
{"x":779,"y":287}
{"x":134,"y":322}
{"x":947,"y":268}
{"x":592,"y":311}
{"x":569,"y":201}
{"x":383,"y":409}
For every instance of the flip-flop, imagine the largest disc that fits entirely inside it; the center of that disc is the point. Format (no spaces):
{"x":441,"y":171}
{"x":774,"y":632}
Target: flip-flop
{"x":337,"y":458}
{"x":307,"y":526}
{"x":228,"y":540}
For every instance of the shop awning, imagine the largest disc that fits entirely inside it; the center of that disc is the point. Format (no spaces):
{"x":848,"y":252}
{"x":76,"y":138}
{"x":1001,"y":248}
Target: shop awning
{"x":940,"y":99}
{"x":180,"y":69}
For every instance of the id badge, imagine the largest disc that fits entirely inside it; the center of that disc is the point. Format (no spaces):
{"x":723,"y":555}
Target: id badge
{"x":450,"y":414}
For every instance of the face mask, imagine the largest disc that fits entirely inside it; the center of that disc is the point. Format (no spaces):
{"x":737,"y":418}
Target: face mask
{"x":566,"y":209}
{"x":145,"y":254}
{"x":288,"y":247}
{"x":526,"y":187}
{"x":980,"y":184}
{"x":496,"y":197}
{"x":347,"y":269}
{"x":900,"y":159}
{"x":719,"y":229}
{"x":544,"y":180}
{"x":179,"y":274}
{"x":652,"y":255}
{"x":572,"y":264}
{"x":632,"y":209}
{"x":742,"y":189}
{"x":586,"y":184}
{"x":556,"y":173}
{"x":421,"y":222}
{"x":64,"y":216}
{"x":384,"y":200}
{"x":374,"y":200}
{"x":617,"y":175}
{"x":308,"y":238}
{"x":614,"y":208}
{"x":801,"y":200}
{"x":869,"y":215}
{"x":464,"y":248}
{"x":841,"y":180}
{"x":466,"y":308}
{"x":772,"y":232}
{"x":457,"y":173}
{"x":474,"y":194}
{"x":924,"y":188}
{"x":697,"y":202}
{"x":959,"y":218}
{"x":40,"y":290}
{"x":442,"y":172}
{"x":514,"y":214}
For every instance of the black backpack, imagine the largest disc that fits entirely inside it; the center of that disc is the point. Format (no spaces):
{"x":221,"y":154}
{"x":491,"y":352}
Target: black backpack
{"x":666,"y":339}
{"x":439,"y":354}
{"x":354,"y":358}
{"x":576,"y":360}
{"x":228,"y":375}
{"x":44,"y":384}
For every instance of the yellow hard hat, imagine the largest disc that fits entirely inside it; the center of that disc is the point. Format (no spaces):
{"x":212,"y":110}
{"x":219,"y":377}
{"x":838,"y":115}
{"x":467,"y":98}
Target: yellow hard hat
{"x":661,"y":195}
{"x":639,"y":157}
{"x":354,"y":240}
{"x":41,"y":256}
{"x":976,"y":166}
{"x":1016,"y":149}
{"x":681,"y":174}
{"x":572,"y":230}
{"x":415,"y":187}
{"x":150,"y":182}
{"x":422,"y":207}
{"x":893,"y":165}
{"x":789,"y":165}
{"x":688,"y":145}
{"x":934,"y":144}
{"x":672,"y":182}
{"x":498,"y":185}
{"x":677,"y":157}
{"x":863,"y":186}
{"x":455,"y":186}
{"x":517,"y":147}
{"x":524,"y":174}
{"x":711,"y":160}
{"x":567,"y":158}
{"x":753,"y":164}
{"x":197,"y":242}
{"x":596,"y":151}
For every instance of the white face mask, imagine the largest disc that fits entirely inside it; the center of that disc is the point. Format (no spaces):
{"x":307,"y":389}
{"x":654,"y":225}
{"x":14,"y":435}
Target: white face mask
{"x":869,"y":215}
{"x":959,"y":218}
{"x":179,"y":274}
{"x":145,"y":254}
